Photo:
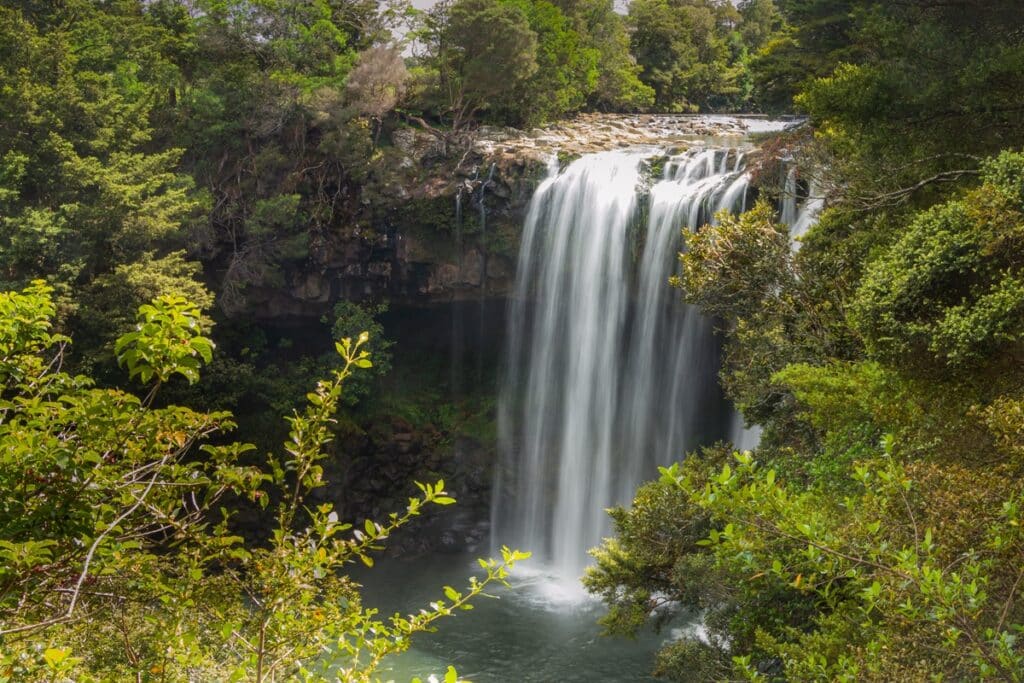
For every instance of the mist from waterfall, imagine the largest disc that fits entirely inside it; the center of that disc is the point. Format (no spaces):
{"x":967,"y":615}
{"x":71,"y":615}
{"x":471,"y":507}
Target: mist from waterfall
{"x":608,"y":373}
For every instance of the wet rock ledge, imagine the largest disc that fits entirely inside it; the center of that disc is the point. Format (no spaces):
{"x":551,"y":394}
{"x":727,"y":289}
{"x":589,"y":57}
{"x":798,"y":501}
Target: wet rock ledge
{"x":438,"y":217}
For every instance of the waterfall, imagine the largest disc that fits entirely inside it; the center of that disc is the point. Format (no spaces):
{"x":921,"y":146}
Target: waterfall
{"x":788,"y":210}
{"x":807,"y":215}
{"x":457,"y":348}
{"x":743,"y":438}
{"x":608,"y":373}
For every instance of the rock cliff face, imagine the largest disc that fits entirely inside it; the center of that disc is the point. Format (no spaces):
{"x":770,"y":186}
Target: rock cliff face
{"x":438,"y":220}
{"x":435,"y":231}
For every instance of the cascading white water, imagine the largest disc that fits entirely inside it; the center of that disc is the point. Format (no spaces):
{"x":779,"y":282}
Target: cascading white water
{"x":566,"y":350}
{"x":799,"y":217}
{"x":807,"y":214}
{"x":788,"y":210}
{"x":743,"y":438}
{"x":608,"y":372}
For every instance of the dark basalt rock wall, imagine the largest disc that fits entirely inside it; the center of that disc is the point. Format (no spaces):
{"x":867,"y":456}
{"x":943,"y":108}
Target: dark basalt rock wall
{"x":419,"y":236}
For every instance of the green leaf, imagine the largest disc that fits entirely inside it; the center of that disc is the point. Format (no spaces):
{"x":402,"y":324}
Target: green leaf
{"x":54,"y":656}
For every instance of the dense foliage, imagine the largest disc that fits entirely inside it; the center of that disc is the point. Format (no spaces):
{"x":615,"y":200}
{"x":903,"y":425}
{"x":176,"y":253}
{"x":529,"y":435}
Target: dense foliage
{"x":119,"y":556}
{"x":524,"y":61}
{"x":84,"y":188}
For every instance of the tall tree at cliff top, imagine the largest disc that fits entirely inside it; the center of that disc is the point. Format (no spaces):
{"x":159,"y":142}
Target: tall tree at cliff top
{"x":475,"y":51}
{"x":566,"y":68}
{"x":524,"y":62}
{"x":684,"y":49}
{"x":760,"y":20}
{"x":817,"y":35}
{"x":86,"y":187}
{"x":604,"y":30}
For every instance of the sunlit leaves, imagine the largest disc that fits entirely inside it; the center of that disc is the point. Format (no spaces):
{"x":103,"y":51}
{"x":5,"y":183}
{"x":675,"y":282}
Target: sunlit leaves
{"x":856,"y":566}
{"x":167,"y":341}
{"x":950,"y":293}
{"x":116,"y":525}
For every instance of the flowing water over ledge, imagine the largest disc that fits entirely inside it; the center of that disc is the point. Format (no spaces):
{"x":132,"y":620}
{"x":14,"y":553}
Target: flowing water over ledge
{"x":609,"y":374}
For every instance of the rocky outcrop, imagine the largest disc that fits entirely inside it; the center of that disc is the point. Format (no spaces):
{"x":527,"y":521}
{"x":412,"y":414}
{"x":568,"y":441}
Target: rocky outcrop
{"x":438,"y":219}
{"x":589,"y":133}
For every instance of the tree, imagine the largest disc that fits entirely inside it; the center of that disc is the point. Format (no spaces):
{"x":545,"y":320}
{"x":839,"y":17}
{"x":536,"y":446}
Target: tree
{"x":114,"y":298}
{"x":481,"y":48}
{"x":760,"y":21}
{"x":814,"y":38}
{"x":949,"y":296}
{"x":566,"y":70}
{"x":556,"y":58}
{"x":377,"y":83}
{"x":682,"y":49}
{"x":269,"y":134}
{"x":602,"y":29}
{"x":743,"y":271}
{"x":118,"y":551}
{"x":884,"y":581}
{"x":84,"y":189}
{"x":904,"y":128}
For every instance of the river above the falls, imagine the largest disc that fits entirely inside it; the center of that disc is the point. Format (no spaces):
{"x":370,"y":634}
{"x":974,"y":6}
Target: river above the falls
{"x":541,"y":630}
